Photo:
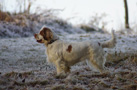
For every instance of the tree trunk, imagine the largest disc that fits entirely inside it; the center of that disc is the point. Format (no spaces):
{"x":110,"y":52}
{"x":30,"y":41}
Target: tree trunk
{"x":28,"y":9}
{"x":126,"y":14}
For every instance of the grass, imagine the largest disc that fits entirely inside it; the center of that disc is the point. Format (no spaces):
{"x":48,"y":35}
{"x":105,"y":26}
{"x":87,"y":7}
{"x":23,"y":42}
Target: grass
{"x":32,"y":71}
{"x":11,"y":74}
{"x":59,"y":87}
{"x":31,"y":83}
{"x":77,"y":80}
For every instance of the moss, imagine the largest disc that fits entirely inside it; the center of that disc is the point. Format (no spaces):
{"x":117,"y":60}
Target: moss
{"x":59,"y":87}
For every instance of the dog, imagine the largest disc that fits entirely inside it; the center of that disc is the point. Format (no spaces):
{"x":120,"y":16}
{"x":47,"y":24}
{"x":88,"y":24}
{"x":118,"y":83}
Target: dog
{"x":65,"y":54}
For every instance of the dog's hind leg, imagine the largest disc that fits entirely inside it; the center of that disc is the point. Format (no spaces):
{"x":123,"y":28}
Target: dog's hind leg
{"x":97,"y":66}
{"x":97,"y":62}
{"x":96,"y":59}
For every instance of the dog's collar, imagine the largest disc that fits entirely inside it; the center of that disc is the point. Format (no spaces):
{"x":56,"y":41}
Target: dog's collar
{"x":51,"y":41}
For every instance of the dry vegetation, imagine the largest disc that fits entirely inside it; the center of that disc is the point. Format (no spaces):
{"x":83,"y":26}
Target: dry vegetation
{"x":5,"y":17}
{"x":25,"y":25}
{"x":122,"y":77}
{"x":17,"y":25}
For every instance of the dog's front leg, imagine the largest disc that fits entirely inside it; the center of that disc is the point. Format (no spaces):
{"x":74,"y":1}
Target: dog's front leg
{"x":58,"y":67}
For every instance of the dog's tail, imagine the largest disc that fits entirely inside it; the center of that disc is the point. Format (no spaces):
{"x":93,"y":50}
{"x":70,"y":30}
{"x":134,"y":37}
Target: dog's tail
{"x":110,"y":43}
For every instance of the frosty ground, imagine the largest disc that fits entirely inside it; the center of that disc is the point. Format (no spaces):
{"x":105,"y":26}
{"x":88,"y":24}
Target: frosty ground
{"x":23,"y":66}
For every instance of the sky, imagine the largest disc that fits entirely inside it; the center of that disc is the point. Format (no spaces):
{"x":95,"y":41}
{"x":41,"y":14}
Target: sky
{"x":81,"y":11}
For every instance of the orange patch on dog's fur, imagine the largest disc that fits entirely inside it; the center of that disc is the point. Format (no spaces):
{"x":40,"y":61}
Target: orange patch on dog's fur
{"x":69,"y":49}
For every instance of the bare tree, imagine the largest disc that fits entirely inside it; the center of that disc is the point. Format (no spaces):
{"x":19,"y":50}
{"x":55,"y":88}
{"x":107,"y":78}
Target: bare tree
{"x":126,"y":14}
{"x":25,"y":5}
{"x":29,"y":6}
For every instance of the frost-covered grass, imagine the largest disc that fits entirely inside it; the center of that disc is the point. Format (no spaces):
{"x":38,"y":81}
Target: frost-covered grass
{"x":23,"y":65}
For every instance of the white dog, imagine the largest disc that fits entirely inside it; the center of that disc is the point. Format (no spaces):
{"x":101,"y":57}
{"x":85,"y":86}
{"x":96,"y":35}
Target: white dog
{"x":64,"y":54}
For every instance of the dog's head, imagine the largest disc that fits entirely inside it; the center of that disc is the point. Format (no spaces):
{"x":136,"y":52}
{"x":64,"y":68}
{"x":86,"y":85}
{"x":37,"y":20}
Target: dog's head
{"x":45,"y":35}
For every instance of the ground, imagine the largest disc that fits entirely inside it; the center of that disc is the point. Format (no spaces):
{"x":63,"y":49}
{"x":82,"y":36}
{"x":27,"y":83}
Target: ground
{"x":23,"y":66}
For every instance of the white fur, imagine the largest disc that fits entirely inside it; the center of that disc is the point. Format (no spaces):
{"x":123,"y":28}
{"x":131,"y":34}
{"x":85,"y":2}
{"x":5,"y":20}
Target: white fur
{"x":92,"y":51}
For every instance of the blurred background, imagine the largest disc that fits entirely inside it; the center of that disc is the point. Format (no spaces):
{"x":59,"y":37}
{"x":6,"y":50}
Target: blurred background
{"x":22,"y":18}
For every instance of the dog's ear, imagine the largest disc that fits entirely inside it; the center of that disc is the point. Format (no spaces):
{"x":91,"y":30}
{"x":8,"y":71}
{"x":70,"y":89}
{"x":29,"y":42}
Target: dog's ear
{"x":35,"y":35}
{"x":46,"y":33}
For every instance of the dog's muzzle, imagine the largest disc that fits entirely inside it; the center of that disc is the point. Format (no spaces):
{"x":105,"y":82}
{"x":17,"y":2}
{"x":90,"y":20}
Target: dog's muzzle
{"x":39,"y":40}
